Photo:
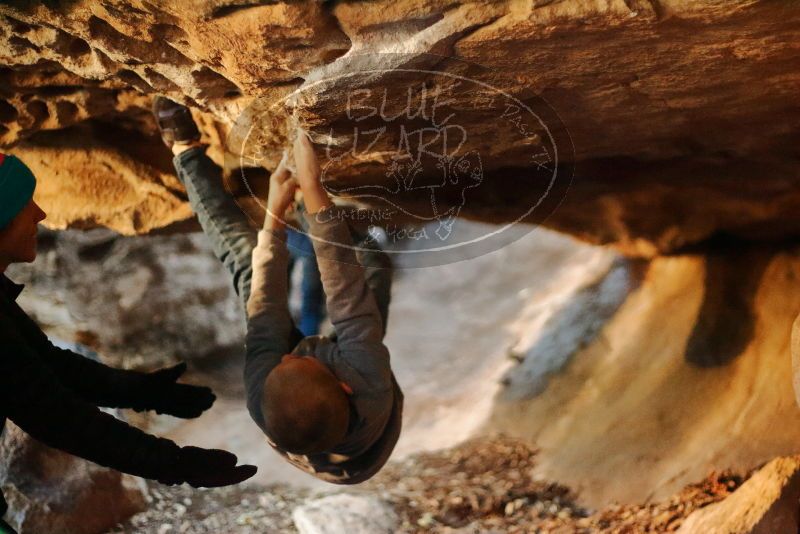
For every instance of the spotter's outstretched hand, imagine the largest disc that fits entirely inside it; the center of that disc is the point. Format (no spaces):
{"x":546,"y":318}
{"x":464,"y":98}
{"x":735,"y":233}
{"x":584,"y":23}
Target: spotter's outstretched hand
{"x":162,"y":392}
{"x":206,"y":468}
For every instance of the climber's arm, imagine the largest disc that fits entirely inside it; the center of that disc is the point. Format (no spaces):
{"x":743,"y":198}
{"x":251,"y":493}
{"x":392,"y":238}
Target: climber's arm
{"x":269,"y":324}
{"x":351,"y":304}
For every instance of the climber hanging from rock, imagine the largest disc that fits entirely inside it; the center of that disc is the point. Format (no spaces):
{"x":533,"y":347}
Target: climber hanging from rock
{"x":53,"y":394}
{"x":330,"y":406}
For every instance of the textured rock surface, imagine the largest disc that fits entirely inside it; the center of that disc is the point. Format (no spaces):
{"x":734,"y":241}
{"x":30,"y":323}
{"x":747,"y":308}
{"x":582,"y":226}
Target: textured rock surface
{"x":767,"y":503}
{"x":674,"y":384}
{"x":681,"y":112}
{"x":356,"y":514}
{"x":54,"y":492}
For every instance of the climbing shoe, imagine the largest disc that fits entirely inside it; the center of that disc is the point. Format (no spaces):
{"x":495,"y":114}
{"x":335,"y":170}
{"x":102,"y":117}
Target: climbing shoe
{"x":174,"y":121}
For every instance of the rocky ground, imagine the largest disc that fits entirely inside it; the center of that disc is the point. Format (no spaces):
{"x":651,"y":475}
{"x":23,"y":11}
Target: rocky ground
{"x":241,"y":509}
{"x":484,"y":485}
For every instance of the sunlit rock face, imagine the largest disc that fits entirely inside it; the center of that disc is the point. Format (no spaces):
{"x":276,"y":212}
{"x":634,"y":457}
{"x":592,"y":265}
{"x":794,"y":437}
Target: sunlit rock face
{"x":660,"y":372}
{"x":676,"y":118}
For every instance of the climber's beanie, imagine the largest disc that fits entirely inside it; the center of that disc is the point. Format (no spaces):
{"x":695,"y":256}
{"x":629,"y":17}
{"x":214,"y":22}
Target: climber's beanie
{"x":16,"y":188}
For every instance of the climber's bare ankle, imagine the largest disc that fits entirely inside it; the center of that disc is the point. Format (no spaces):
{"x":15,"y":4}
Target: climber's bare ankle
{"x":178,"y":148}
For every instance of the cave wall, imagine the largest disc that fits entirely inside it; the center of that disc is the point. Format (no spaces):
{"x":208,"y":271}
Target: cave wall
{"x":676,"y":115}
{"x":690,"y":374}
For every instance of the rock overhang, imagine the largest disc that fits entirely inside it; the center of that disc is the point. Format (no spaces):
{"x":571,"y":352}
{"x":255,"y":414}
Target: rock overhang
{"x":680,"y":113}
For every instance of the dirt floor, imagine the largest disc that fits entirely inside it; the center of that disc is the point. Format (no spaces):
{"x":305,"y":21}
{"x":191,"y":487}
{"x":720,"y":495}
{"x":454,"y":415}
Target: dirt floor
{"x":482,"y":486}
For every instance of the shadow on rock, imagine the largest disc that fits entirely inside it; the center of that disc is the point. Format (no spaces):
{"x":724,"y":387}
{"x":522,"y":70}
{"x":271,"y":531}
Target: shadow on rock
{"x":726,"y":320}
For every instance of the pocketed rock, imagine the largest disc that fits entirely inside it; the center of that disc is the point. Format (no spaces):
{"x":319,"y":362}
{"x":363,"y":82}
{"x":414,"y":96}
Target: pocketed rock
{"x":354,"y":514}
{"x":49,"y":491}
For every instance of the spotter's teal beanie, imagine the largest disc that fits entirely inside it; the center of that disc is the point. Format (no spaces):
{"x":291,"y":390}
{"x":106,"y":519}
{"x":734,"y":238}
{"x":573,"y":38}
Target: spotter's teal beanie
{"x":16,"y":188}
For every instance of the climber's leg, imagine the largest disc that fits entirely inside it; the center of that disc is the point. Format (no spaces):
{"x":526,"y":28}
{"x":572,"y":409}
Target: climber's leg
{"x":225,"y":225}
{"x":312,"y":296}
{"x":378,"y":272}
{"x":223,"y":222}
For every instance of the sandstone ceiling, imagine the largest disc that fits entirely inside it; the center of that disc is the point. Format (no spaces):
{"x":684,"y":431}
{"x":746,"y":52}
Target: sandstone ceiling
{"x":677,"y":118}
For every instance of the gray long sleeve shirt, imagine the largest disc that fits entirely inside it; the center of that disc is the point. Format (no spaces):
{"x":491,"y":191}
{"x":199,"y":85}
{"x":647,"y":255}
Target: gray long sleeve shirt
{"x":357,"y":357}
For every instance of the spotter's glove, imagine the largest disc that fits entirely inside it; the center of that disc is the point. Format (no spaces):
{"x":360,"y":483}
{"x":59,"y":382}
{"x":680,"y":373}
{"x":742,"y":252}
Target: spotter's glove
{"x":160,"y":391}
{"x":207,"y":468}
